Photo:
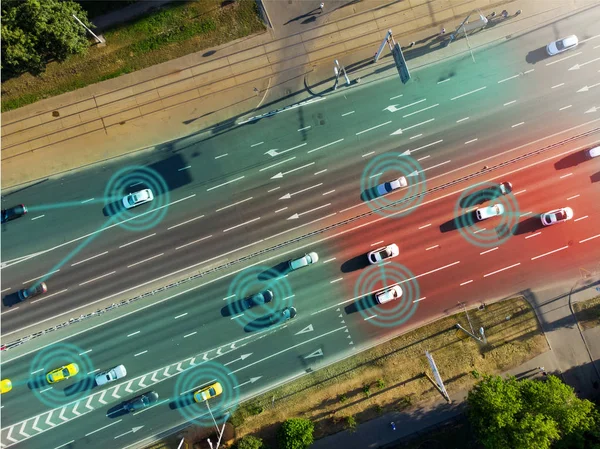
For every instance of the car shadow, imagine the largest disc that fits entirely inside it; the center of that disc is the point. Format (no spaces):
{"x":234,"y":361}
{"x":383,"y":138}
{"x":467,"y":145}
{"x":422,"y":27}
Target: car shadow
{"x":86,"y":384}
{"x":233,"y":308}
{"x":37,"y":382}
{"x":274,"y":272}
{"x":369,"y":194}
{"x":11,"y":299}
{"x":537,"y":55}
{"x":479,"y":197}
{"x":354,"y":264}
{"x":458,"y":222}
{"x":595,"y":177}
{"x":531,"y":224}
{"x":114,"y":208}
{"x":184,"y":400}
{"x":364,"y":303}
{"x":570,"y":160}
{"x":116,"y":411}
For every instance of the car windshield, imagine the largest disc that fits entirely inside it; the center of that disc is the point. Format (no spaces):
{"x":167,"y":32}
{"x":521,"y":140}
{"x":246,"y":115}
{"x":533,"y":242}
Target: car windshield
{"x":65,"y":372}
{"x":383,"y":253}
{"x":560,"y":215}
{"x":212,"y":391}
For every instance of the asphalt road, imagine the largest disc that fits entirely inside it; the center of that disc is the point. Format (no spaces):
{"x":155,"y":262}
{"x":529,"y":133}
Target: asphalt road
{"x":441,"y":262}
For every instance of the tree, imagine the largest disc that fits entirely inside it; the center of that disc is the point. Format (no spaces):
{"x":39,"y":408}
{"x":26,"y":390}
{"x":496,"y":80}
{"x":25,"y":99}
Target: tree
{"x":35,"y":32}
{"x":523,"y":414}
{"x":295,"y":433}
{"x":250,"y":442}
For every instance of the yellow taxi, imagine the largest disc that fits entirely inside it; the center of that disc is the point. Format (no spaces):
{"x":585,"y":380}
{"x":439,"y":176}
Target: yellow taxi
{"x":5,"y":386}
{"x":208,"y":392}
{"x":62,"y":373}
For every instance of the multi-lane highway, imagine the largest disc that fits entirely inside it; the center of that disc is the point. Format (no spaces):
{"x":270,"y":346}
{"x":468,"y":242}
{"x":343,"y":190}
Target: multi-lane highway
{"x":266,"y":183}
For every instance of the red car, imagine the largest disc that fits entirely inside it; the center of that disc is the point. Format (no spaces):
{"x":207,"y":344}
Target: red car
{"x":30,"y":292}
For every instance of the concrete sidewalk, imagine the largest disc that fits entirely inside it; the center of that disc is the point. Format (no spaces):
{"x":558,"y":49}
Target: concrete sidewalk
{"x":207,"y":92}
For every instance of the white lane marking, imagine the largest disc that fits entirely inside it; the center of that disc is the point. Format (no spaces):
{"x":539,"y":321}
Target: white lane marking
{"x":528,"y":71}
{"x":189,"y":335}
{"x":327,"y":193}
{"x":145,"y":260}
{"x":550,"y":252}
{"x":408,"y":105}
{"x":37,"y":371}
{"x":488,"y":251}
{"x":370,"y":317}
{"x":184,"y":168}
{"x":509,"y":103}
{"x":347,"y":113}
{"x":444,"y":81}
{"x":517,"y":124}
{"x":45,"y":389}
{"x":377,"y":243}
{"x":136,"y":184}
{"x":565,"y":107}
{"x":277,"y":163}
{"x":298,"y":215}
{"x":282,"y":174}
{"x":532,"y":235}
{"x":234,"y":204}
{"x":432,"y":247}
{"x":424,"y":157}
{"x":89,"y":258}
{"x":329,"y":260}
{"x":468,"y":93}
{"x":102,"y":428}
{"x":225,"y":183}
{"x":581,"y":218}
{"x":420,"y":299}
{"x":426,"y":146}
{"x":479,"y":230}
{"x":95,"y":279}
{"x":397,"y":96}
{"x":374,"y":127}
{"x":419,"y":124}
{"x":425,"y":226}
{"x":471,"y":141}
{"x":589,"y":238}
{"x":573,"y":197}
{"x":39,"y":216}
{"x":241,"y":224}
{"x":191,"y":243}
{"x":414,"y":137}
{"x":335,"y":280}
{"x":558,"y":85}
{"x":502,"y":269}
{"x":140,"y":353}
{"x":272,"y":190}
{"x":281,"y":210}
{"x":507,"y":79}
{"x":229,"y":297}
{"x":39,"y":277}
{"x":49,"y":296}
{"x":305,"y":128}
{"x":421,"y":110}
{"x":179,"y":316}
{"x":462,"y":119}
{"x":256,"y":144}
{"x":63,"y":445}
{"x":287,"y":196}
{"x":324,"y":146}
{"x":92,"y":372}
{"x":566,"y":176}
{"x":185,"y":222}
{"x":319,"y":172}
{"x":138,"y":240}
{"x":465,"y":283}
{"x":434,"y":166}
{"x":563,"y":59}
{"x":525,"y":214}
{"x":520,"y":191}
{"x":5,"y":290}
{"x":368,"y":154}
{"x":85,"y":352}
{"x":221,"y":155}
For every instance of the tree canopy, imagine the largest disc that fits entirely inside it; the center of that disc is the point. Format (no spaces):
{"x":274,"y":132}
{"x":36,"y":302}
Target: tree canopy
{"x":250,"y":442}
{"x":524,"y":414}
{"x":35,"y":32}
{"x":295,"y":433}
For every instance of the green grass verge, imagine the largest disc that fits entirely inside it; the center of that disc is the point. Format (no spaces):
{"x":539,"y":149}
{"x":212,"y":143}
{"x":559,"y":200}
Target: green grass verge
{"x":588,"y":312}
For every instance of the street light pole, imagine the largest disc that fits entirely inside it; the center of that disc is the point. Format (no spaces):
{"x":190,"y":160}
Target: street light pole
{"x":98,"y":39}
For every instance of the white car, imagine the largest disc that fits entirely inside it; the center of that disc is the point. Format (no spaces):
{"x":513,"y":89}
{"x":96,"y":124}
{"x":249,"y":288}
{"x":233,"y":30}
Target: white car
{"x":137,"y":198}
{"x":386,"y":252}
{"x":490,"y":211}
{"x":564,"y":44}
{"x":388,"y":187}
{"x":556,"y":216}
{"x":389,"y":294}
{"x":111,"y":375}
{"x":303,"y":261}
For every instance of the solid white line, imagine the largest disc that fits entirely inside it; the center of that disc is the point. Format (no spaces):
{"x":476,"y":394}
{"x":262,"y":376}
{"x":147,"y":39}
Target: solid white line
{"x":324,"y":146}
{"x":89,"y":258}
{"x":102,"y":428}
{"x":347,"y":113}
{"x":532,"y":235}
{"x":501,"y":269}
{"x":471,"y":141}
{"x":374,"y":127}
{"x":234,"y":204}
{"x":565,"y":107}
{"x":329,"y":260}
{"x":281,"y":210}
{"x":49,"y":296}
{"x":518,"y":124}
{"x":431,"y":247}
{"x":302,"y":129}
{"x":421,"y":110}
{"x":468,"y":93}
{"x":573,"y":197}
{"x":509,"y":78}
{"x":99,"y":277}
{"x":414,"y":137}
{"x":563,"y":59}
{"x":377,"y":243}
{"x":488,"y":251}
{"x":195,"y":241}
{"x":183,"y":314}
{"x":327,"y":193}
{"x":368,"y":154}
{"x":63,"y":445}
{"x":222,"y":155}
{"x":87,"y":201}
{"x":550,"y":252}
{"x":140,"y":353}
{"x":256,"y":144}
{"x":427,"y":146}
{"x":319,"y":172}
{"x":145,"y":260}
{"x":510,"y":102}
{"x":589,"y":238}
{"x":397,"y":96}
{"x":566,"y":176}
{"x":224,"y":184}
{"x":39,"y":277}
{"x":184,"y":168}
{"x":335,"y":280}
{"x":277,"y":163}
{"x":465,"y":283}
{"x":39,"y":216}
{"x":241,"y":224}
{"x":580,"y":218}
{"x":189,"y":335}
{"x":558,"y":85}
{"x":272,"y":190}
{"x":184,"y":222}
{"x":462,"y":119}
{"x":425,"y":226}
{"x":138,"y":240}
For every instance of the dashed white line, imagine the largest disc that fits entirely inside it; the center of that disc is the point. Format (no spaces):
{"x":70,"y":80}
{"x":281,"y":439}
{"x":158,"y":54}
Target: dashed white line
{"x":397,"y":96}
{"x":471,"y":141}
{"x":468,"y":93}
{"x":414,"y":137}
{"x":234,"y":204}
{"x":502,"y":269}
{"x":221,"y":155}
{"x":145,"y":260}
{"x":558,"y":85}
{"x":324,"y":146}
{"x":63,"y":445}
{"x":99,"y":277}
{"x":532,"y":235}
{"x":256,"y":144}
{"x":135,"y":333}
{"x":444,"y":81}
{"x":241,"y":224}
{"x":5,"y":290}
{"x":189,"y":335}
{"x":421,"y":110}
{"x":85,"y":352}
{"x":466,"y":282}
{"x":581,"y":218}
{"x":272,"y":190}
{"x":138,"y":240}
{"x":281,"y":210}
{"x":225,"y":183}
{"x":102,"y":428}
{"x":319,"y":172}
{"x":39,"y":216}
{"x":462,"y":119}
{"x":185,"y":222}
{"x":432,"y":247}
{"x":479,"y":230}
{"x":377,"y":243}
{"x":566,"y":176}
{"x":45,"y":389}
{"x":179,"y":316}
{"x":184,"y":168}
{"x":329,"y":260}
{"x":525,"y":214}
{"x":374,"y":127}
{"x":488,"y":251}
{"x":347,"y":113}
{"x":426,"y":146}
{"x":336,"y":280}
{"x":425,"y":226}
{"x":92,"y":372}
{"x":140,"y":353}
{"x":418,"y":124}
{"x":327,"y":193}
{"x":39,"y":277}
{"x":424,"y":157}
{"x":369,"y":317}
{"x":517,"y":124}
{"x":565,"y":107}
{"x":573,"y":197}
{"x":589,"y":238}
{"x":89,"y":258}
{"x":87,"y":201}
{"x":509,"y":103}
{"x":305,"y":128}
{"x":528,"y":71}
{"x":37,"y":371}
{"x":191,"y":243}
{"x":563,"y":59}
{"x":550,"y":252}
{"x":520,"y":191}
{"x":135,"y":184}
{"x":278,"y":163}
{"x":507,"y":79}
{"x":368,"y":154}
{"x":420,"y":299}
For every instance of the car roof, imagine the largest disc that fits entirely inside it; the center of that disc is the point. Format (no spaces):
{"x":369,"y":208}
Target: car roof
{"x":570,"y":40}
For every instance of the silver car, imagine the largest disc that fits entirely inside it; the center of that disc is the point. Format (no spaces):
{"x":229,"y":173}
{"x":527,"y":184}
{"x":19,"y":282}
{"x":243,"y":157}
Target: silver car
{"x":303,"y":261}
{"x":388,"y":187}
{"x":564,"y":44}
{"x":111,"y":375}
{"x":137,"y":198}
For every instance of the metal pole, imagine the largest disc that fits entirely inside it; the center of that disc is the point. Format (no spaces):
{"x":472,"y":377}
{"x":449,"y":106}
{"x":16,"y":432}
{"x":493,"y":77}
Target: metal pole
{"x":222,"y":430}
{"x":181,"y":443}
{"x":100,"y":41}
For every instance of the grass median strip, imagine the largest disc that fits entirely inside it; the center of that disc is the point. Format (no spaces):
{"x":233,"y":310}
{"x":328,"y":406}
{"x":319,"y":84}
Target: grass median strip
{"x":392,"y":376}
{"x":175,"y":30}
{"x":588,"y":312}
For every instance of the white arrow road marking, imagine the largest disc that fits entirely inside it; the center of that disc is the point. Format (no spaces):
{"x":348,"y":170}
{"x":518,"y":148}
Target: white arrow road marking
{"x":295,"y":216}
{"x":395,"y":108}
{"x":282,"y":174}
{"x":75,"y":412}
{"x":50,"y":416}
{"x":251,"y":381}
{"x":578,"y":66}
{"x":317,"y":353}
{"x":287,"y":196}
{"x":399,"y":131}
{"x":62,"y":412}
{"x":128,"y":387}
{"x":586,"y":88}
{"x":274,"y":153}
{"x":35,"y":427}
{"x":133,"y":430}
{"x":242,"y":357}
{"x":308,"y":328}
{"x":87,"y":404}
{"x":593,"y":109}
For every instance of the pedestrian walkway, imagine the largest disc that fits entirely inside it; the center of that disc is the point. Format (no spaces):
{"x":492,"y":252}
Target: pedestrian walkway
{"x":208,"y":91}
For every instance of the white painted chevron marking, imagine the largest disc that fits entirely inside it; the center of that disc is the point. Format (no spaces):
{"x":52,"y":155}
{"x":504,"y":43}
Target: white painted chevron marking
{"x":8,"y":437}
{"x":193,"y":361}
{"x":204,"y":357}
{"x":87,"y":404}
{"x":127,"y":389}
{"x":179,"y":368}
{"x":167,"y":373}
{"x":219,"y":352}
{"x":142,"y":384}
{"x":51,"y":424}
{"x":35,"y":427}
{"x":22,"y":430}
{"x":62,"y":412}
{"x":153,"y":378}
{"x":101,"y":398}
{"x":75,"y":409}
{"x":114,"y":393}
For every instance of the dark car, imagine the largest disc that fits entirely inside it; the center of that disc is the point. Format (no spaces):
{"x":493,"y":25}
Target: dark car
{"x":140,"y":402}
{"x":283,"y":315}
{"x":258,"y":299}
{"x":13,"y":212}
{"x":30,"y":292}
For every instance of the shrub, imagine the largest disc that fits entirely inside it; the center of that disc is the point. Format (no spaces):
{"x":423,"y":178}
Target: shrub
{"x":250,"y":442}
{"x":351,"y":423}
{"x":343,"y":398}
{"x":380,"y":384}
{"x":295,"y":433}
{"x":367,"y":390}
